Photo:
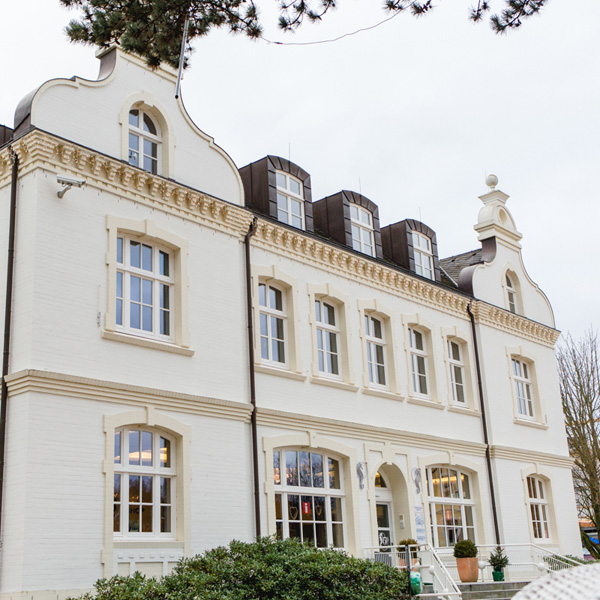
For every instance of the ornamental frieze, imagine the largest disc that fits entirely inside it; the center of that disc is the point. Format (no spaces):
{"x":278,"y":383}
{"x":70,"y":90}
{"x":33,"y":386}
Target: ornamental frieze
{"x":140,"y":186}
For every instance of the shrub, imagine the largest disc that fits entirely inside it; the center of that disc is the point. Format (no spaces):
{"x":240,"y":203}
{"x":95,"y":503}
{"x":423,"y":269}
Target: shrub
{"x":265,"y":570}
{"x":498,"y":559}
{"x":465,"y":549}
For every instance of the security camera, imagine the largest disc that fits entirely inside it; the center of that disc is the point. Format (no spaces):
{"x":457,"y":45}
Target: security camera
{"x":68,"y":183}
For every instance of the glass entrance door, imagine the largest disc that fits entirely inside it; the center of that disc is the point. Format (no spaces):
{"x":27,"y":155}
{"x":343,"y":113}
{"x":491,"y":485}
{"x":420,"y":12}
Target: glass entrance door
{"x":384,"y":524}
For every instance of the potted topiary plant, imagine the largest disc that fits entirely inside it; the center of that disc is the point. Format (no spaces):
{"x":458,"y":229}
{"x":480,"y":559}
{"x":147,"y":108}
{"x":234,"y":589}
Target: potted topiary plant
{"x":465,"y":553}
{"x":402,"y":549}
{"x":498,"y":560}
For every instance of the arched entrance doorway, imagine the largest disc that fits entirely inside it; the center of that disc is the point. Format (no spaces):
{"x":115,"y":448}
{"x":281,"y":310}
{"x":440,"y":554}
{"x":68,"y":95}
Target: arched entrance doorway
{"x":392,"y":509}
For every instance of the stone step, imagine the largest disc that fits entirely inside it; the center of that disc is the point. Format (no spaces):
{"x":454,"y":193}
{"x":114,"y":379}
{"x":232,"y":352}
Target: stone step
{"x":497,"y":590}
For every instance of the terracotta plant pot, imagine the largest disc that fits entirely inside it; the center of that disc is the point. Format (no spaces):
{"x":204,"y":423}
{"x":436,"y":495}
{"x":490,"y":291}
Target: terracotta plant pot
{"x":413,"y":563}
{"x":468,"y":569}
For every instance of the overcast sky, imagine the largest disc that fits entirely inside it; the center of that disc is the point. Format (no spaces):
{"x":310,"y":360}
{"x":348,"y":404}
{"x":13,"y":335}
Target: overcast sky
{"x":413,"y":114}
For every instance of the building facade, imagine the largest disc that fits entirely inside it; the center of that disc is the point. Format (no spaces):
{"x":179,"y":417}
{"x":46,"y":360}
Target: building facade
{"x":134,"y":416}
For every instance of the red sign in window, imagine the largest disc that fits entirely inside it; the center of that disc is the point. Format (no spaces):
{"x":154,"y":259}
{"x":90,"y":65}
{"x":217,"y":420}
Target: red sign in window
{"x":306,"y":508}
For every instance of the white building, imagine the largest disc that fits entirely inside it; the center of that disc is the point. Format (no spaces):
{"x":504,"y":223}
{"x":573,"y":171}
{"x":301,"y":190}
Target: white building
{"x":129,"y":430}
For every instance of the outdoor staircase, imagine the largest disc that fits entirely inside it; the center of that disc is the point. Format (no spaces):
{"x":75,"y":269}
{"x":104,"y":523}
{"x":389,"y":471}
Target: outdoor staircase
{"x":502,"y":590}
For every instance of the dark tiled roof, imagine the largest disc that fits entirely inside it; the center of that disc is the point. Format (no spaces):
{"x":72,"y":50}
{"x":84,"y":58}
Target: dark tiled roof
{"x":453,"y":265}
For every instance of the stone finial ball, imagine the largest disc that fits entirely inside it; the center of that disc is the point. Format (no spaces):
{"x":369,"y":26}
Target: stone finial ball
{"x":491,"y":181}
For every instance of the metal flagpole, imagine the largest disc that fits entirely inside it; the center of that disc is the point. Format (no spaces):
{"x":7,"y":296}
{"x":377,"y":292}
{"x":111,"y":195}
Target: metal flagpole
{"x":181,"y":57}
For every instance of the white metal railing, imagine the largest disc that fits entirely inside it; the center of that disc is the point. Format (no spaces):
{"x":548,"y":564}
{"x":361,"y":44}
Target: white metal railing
{"x":424,"y":559}
{"x":526,"y":562}
{"x":438,"y":566}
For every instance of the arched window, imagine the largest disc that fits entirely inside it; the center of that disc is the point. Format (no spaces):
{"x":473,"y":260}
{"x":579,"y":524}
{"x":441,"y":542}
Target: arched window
{"x":512,"y":291}
{"x":144,"y":483}
{"x":451,"y":505}
{"x":538,"y":507}
{"x":362,"y":229}
{"x":144,"y":141}
{"x":309,"y":497}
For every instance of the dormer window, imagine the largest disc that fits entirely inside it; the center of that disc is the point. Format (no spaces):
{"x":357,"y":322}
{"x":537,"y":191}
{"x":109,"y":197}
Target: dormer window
{"x":290,"y":200}
{"x":362,"y":229}
{"x":423,"y":255}
{"x":144,"y":141}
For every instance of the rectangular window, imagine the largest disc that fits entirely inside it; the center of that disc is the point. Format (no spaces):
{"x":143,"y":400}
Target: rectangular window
{"x":375,"y":351}
{"x":423,"y":255}
{"x":272,"y":325}
{"x":144,"y":289}
{"x":522,"y":384}
{"x":290,"y":200}
{"x":327,"y":338}
{"x":362,"y":230}
{"x":457,"y":380}
{"x":418,"y":361}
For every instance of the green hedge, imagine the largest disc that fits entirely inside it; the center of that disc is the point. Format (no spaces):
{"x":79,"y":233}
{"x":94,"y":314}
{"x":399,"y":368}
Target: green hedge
{"x":264,"y":570}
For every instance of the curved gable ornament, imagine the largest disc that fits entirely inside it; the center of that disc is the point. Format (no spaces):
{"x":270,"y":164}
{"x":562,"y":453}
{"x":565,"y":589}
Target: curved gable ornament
{"x":494,"y":219}
{"x":100,"y":104}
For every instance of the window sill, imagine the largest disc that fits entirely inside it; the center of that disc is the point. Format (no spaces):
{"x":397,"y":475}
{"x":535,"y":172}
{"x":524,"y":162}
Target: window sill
{"x":279,"y":372}
{"x":425,"y":402}
{"x":535,"y":424}
{"x":335,"y":384}
{"x":116,"y":336}
{"x":382,"y":394}
{"x":129,"y":544}
{"x":465,"y":410}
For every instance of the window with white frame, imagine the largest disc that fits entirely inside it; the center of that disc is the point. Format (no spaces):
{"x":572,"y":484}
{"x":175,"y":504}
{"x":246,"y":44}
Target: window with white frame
{"x":362,"y":229}
{"x":451,"y":506}
{"x":523,"y":388}
{"x":144,"y":290}
{"x":511,"y":294}
{"x":418,"y":361}
{"x":144,"y":140}
{"x":273,"y":317}
{"x":423,"y":255}
{"x":144,"y":483}
{"x":309,"y":497}
{"x":457,"y":371}
{"x":290,"y":200}
{"x":328,"y":338}
{"x":374,"y":336}
{"x":538,"y":508}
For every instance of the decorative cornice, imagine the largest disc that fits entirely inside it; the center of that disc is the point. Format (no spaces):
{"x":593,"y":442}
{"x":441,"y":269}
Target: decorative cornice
{"x":531,"y":456}
{"x":347,"y":264}
{"x":371,"y":433}
{"x":116,"y":176}
{"x":108,"y":391}
{"x":499,"y":318}
{"x":119,"y":177}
